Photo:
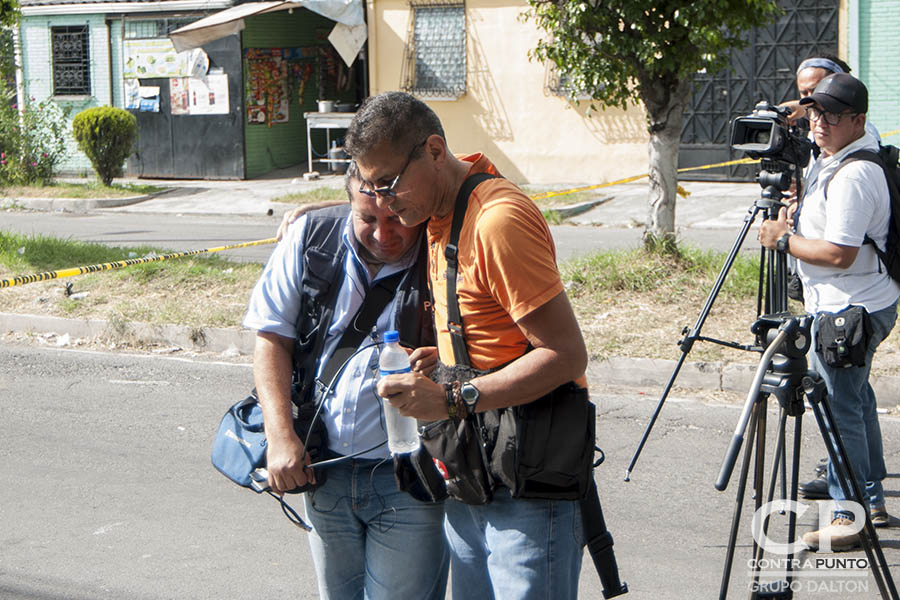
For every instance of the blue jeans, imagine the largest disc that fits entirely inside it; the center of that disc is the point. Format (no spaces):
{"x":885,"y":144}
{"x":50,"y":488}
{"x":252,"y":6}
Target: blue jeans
{"x":853,"y":404}
{"x":513,"y":549}
{"x":372,"y":541}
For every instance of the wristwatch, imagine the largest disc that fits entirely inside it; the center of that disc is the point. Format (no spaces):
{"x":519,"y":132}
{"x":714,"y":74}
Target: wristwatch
{"x":782,"y":244}
{"x":469,"y":394}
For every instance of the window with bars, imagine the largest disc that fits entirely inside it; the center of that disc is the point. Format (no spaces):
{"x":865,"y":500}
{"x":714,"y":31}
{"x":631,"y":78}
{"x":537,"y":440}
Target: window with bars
{"x":71,"y":60}
{"x":434,"y":64}
{"x":154,"y":28}
{"x":558,"y":83}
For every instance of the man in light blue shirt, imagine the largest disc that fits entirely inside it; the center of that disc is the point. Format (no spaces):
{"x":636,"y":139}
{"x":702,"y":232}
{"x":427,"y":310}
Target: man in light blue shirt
{"x":369,"y":539}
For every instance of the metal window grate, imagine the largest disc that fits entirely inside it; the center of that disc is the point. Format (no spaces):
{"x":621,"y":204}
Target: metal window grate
{"x":71,"y":60}
{"x":154,"y":28}
{"x":435,"y":58}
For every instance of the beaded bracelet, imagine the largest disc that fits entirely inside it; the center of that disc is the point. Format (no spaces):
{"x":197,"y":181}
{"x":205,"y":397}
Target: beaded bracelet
{"x":455,"y":408}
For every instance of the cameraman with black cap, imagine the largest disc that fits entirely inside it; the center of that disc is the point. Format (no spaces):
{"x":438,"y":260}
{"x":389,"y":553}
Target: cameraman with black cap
{"x":839,"y":270}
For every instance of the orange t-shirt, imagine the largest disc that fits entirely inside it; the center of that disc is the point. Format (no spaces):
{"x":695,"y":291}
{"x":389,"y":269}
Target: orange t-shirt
{"x":507,"y":268}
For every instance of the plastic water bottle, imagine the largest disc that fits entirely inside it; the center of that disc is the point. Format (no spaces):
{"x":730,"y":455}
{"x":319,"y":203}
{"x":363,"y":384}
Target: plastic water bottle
{"x":402,"y":432}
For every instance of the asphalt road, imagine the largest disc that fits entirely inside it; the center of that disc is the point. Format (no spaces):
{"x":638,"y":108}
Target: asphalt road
{"x":182,"y":232}
{"x":109,"y":494}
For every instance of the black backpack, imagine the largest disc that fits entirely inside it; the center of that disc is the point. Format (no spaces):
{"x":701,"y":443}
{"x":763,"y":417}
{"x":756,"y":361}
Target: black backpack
{"x":887,"y":159}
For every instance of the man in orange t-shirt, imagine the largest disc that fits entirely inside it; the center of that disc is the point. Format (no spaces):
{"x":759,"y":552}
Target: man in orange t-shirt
{"x":510,"y":296}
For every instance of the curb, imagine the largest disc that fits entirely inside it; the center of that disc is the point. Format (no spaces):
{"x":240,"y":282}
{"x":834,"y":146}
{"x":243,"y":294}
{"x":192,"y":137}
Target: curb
{"x":209,"y":339}
{"x":712,"y":376}
{"x":76,"y":204}
{"x":572,"y":210}
{"x":632,"y":372}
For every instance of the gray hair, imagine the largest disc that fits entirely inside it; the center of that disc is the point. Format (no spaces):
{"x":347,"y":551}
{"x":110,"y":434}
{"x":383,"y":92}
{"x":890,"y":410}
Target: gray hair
{"x":351,"y":178}
{"x":397,"y":118}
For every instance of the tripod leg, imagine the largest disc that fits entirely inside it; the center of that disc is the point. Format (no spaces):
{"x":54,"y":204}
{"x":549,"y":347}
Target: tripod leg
{"x":795,"y":476}
{"x":689,"y":339}
{"x":656,"y":412}
{"x":739,"y":501}
{"x":783,"y":463}
{"x":837,"y":453}
{"x":762,"y":533}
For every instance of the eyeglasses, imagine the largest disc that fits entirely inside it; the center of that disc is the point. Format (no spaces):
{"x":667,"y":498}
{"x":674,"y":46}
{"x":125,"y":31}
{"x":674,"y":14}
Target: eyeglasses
{"x":389,"y":189}
{"x":831,"y":118}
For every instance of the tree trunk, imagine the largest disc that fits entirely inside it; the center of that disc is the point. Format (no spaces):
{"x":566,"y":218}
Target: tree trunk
{"x":665,"y":116}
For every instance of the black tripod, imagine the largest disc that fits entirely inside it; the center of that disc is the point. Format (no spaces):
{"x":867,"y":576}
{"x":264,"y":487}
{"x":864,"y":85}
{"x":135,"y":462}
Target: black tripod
{"x":785,"y":376}
{"x":783,"y":373}
{"x":769,"y":201}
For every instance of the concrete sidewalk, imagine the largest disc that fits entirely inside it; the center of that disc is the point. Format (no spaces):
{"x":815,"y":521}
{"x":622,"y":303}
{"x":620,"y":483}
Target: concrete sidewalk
{"x":709,"y":205}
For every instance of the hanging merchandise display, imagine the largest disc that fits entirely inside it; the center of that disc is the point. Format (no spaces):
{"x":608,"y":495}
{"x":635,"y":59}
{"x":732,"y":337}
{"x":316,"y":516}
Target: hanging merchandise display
{"x":271,"y":75}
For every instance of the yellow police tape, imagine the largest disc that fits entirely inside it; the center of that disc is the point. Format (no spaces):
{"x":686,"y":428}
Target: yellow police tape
{"x":740,"y":161}
{"x":47,"y":275}
{"x":12,"y":281}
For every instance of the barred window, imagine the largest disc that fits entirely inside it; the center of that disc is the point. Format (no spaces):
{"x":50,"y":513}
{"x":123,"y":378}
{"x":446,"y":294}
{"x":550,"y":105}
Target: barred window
{"x":557,"y":83}
{"x":434,"y":64}
{"x":154,"y":28}
{"x":71,"y":61}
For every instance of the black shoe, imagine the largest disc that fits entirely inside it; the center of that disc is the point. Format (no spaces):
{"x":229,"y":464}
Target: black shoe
{"x":817,"y":489}
{"x":775,"y":590}
{"x":822,"y":467}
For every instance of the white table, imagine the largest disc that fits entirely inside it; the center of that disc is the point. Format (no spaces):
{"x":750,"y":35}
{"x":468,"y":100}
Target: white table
{"x":326,"y":121}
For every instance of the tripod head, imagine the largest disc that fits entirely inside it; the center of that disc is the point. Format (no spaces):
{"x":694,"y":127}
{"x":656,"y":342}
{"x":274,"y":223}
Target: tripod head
{"x":784,"y":377}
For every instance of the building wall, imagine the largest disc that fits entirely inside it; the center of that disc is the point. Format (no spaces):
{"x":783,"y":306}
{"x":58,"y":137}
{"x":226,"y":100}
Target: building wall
{"x":37,"y":71}
{"x":531,"y":135}
{"x":878,"y":24}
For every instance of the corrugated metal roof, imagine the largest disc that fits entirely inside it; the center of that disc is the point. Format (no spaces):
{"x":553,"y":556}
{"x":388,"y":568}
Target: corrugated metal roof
{"x":47,"y":2}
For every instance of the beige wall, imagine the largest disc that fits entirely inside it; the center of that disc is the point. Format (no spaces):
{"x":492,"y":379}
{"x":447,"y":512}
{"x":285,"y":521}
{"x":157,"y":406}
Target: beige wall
{"x":532,"y":136}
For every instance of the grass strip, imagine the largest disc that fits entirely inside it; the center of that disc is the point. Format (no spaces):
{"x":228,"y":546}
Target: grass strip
{"x":95,"y":189}
{"x":197,"y":291}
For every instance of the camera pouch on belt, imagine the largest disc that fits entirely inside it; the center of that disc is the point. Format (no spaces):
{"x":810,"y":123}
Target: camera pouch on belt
{"x":459,"y":455}
{"x":842,"y":338}
{"x":545,"y":448}
{"x":417,"y":475}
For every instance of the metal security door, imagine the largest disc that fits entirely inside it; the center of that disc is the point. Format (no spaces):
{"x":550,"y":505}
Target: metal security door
{"x":764,"y":70}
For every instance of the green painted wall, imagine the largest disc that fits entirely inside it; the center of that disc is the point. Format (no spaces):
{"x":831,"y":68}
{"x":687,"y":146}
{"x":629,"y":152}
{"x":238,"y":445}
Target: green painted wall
{"x":284,"y":144}
{"x":879,"y":23}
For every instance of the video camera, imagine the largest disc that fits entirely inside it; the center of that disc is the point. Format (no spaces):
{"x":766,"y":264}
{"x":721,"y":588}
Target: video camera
{"x":781,"y":147}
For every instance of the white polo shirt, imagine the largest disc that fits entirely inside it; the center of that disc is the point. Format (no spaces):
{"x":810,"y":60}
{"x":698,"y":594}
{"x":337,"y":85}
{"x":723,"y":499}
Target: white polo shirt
{"x":858,"y":204}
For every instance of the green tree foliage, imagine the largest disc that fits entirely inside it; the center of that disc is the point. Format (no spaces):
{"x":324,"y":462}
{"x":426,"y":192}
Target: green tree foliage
{"x":623,"y":51}
{"x":106,"y":135}
{"x":9,"y":12}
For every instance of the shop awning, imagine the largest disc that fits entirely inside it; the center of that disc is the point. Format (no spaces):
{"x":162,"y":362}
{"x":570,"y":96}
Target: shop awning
{"x":231,"y":20}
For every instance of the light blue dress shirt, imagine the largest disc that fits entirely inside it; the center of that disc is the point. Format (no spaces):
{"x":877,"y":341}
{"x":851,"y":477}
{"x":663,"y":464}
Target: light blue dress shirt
{"x":352,"y":412}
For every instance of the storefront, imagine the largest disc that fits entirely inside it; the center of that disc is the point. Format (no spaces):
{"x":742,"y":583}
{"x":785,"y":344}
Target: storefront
{"x":225,"y":97}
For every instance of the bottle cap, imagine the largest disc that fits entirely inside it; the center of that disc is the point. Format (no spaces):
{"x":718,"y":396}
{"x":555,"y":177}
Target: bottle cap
{"x":391,"y":336}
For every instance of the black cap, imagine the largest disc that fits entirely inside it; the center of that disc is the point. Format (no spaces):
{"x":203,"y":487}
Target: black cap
{"x":838,"y":93}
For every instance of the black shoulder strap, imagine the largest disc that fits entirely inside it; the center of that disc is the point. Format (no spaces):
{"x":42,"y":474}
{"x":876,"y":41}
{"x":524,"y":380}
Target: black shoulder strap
{"x":866,"y":155}
{"x":454,"y":319}
{"x":893,"y":191}
{"x":361,"y":324}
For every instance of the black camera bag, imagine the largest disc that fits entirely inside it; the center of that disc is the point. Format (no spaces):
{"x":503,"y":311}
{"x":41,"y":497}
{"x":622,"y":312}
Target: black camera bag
{"x":842,"y":338}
